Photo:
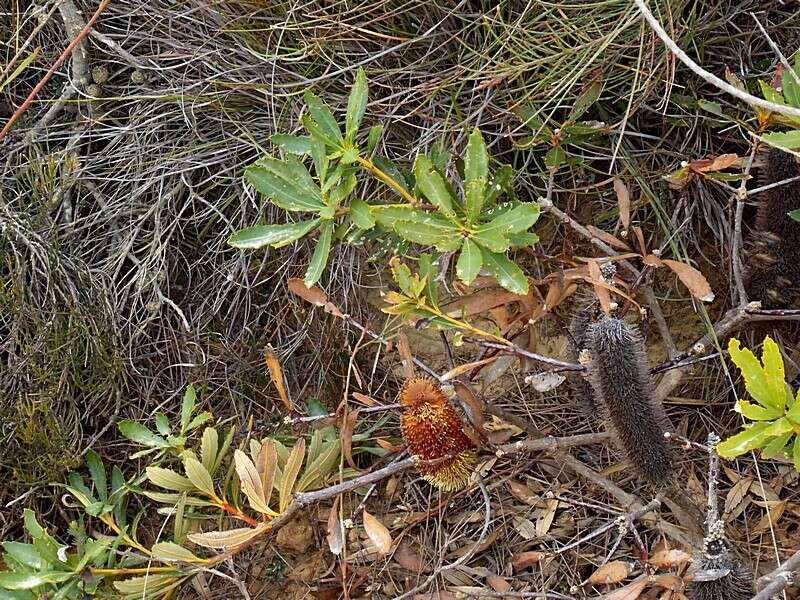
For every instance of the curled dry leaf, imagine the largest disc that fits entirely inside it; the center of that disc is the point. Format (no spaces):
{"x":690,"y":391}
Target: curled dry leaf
{"x":314,"y":295}
{"x":378,"y":534}
{"x":632,"y":591}
{"x":335,"y":531}
{"x":545,"y":381}
{"x":611,"y":572}
{"x":347,"y":437}
{"x":603,"y":295}
{"x":717,"y":163}
{"x":364,"y":399}
{"x":409,"y":559}
{"x":523,"y":560}
{"x":276,"y":374}
{"x":497,"y":583}
{"x":666,"y":559}
{"x":480,"y":302}
{"x":545,"y":520}
{"x":693,"y":279}
{"x":623,"y":202}
{"x":461,"y":369}
{"x":608,"y":238}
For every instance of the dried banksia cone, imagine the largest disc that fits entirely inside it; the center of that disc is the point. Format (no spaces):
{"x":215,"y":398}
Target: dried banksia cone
{"x":620,"y":380}
{"x":772,"y":273}
{"x":433,"y":432}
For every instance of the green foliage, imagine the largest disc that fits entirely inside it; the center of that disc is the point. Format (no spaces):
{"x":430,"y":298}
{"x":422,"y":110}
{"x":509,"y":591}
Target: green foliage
{"x":460,"y":215}
{"x":788,"y":96}
{"x":775,"y":412}
{"x":193,"y":481}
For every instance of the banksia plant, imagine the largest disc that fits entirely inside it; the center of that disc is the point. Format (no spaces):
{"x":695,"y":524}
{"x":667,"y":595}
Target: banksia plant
{"x":578,"y":386}
{"x":716,"y":574}
{"x":621,"y":385}
{"x":433,"y":432}
{"x":772,"y":272}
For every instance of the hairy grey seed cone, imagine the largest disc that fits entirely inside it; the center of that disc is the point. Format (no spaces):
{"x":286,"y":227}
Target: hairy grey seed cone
{"x":620,"y":379}
{"x":737,"y":584}
{"x":772,"y":273}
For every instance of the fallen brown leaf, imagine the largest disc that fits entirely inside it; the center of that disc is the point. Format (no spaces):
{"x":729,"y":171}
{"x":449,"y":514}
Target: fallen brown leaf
{"x":378,"y":534}
{"x":523,"y":560}
{"x":276,"y":374}
{"x":611,"y":572}
{"x":693,"y":279}
{"x":665,"y":559}
{"x":632,"y":591}
{"x":623,"y":202}
{"x":409,"y":559}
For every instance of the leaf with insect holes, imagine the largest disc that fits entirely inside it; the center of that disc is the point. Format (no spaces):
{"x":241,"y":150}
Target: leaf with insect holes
{"x":476,"y":175}
{"x":276,"y":236}
{"x":356,"y":104}
{"x":231,"y":538}
{"x":507,"y":273}
{"x":290,"y":473}
{"x":469,"y":262}
{"x":693,"y":279}
{"x":378,"y":534}
{"x":319,"y":259}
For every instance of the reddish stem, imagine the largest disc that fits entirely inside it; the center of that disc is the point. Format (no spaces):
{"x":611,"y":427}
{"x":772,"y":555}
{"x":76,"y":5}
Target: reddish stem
{"x":59,"y":61}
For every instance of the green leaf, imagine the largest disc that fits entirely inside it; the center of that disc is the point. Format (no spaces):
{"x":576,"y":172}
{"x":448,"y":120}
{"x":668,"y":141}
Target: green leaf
{"x":517,"y":219}
{"x":751,"y":438}
{"x":286,"y":183}
{"x":586,"y":100}
{"x":434,"y":187}
{"x":523,"y":240}
{"x":171,"y":552}
{"x":199,"y":420}
{"x":492,"y":238}
{"x":373,"y":138}
{"x":430,"y":230}
{"x":469,"y":261}
{"x":476,"y":174}
{"x":402,"y":276}
{"x":555,"y":157}
{"x":783,"y":139}
{"x":777,"y":445}
{"x":198,"y":475}
{"x":429,"y":271}
{"x":320,"y":257}
{"x":98,"y":472}
{"x":392,"y":170}
{"x":276,"y":236}
{"x":360,"y":214}
{"x":26,"y":555}
{"x":773,"y":371}
{"x":293,"y":144}
{"x":320,"y":157}
{"x":136,"y":432}
{"x":791,"y":90}
{"x":796,"y":453}
{"x":795,"y":214}
{"x":770,"y":93}
{"x":322,"y":117}
{"x":756,"y":381}
{"x":187,"y":406}
{"x":356,"y":104}
{"x":755,"y":412}
{"x":169,"y":480}
{"x":501,"y":182}
{"x":507,"y":273}
{"x":162,"y":423}
{"x":28,"y":581}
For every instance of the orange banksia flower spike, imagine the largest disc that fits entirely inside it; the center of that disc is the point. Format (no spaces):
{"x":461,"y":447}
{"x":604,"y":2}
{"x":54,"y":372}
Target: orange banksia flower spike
{"x":433,"y":432}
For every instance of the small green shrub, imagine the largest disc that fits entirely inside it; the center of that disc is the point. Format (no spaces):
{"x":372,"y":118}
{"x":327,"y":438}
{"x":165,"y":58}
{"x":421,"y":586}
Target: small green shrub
{"x":432,"y":212}
{"x":775,"y":411}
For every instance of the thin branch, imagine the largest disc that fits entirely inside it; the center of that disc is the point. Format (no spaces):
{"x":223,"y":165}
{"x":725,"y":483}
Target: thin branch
{"x":780,"y":578}
{"x":789,"y":111}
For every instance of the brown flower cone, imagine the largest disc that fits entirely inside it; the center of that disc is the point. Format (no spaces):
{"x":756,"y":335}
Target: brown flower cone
{"x":432,"y":430}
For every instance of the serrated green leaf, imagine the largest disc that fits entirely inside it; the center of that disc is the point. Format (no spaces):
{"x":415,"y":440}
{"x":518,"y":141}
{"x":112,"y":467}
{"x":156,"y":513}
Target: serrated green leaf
{"x":187,"y":406}
{"x":98,"y":472}
{"x":293,"y":144}
{"x":285,"y":184}
{"x":319,"y":259}
{"x":198,"y":475}
{"x":356,"y":104}
{"x":770,"y":93}
{"x":434,"y":187}
{"x":751,"y":438}
{"x":168,"y":479}
{"x":162,"y":423}
{"x":755,"y":412}
{"x":783,"y":139}
{"x":776,"y":445}
{"x":321,"y":467}
{"x":790,"y":88}
{"x":523,"y":240}
{"x":198,"y":420}
{"x":136,"y":432}
{"x":322,"y":116}
{"x":276,"y":236}
{"x":756,"y":381}
{"x":360,"y":214}
{"x":507,"y":273}
{"x":796,"y":453}
{"x":773,"y":371}
{"x":469,"y":262}
{"x":402,"y":276}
